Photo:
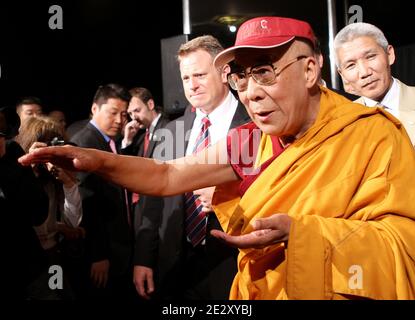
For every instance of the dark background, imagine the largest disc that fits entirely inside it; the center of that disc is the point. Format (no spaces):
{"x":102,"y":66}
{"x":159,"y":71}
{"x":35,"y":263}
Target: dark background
{"x":101,"y":41}
{"x":393,"y":17}
{"x":106,"y":41}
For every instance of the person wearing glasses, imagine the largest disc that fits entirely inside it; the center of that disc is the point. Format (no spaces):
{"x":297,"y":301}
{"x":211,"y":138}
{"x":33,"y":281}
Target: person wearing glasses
{"x":326,"y":212}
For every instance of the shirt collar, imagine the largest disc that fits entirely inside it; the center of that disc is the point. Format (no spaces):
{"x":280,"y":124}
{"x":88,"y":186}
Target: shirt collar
{"x":218,"y":113}
{"x":390,"y":101}
{"x":154,"y":123}
{"x":107,"y":138}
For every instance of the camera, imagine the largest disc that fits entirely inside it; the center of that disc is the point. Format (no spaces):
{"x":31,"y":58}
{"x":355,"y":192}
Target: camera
{"x":56,"y":142}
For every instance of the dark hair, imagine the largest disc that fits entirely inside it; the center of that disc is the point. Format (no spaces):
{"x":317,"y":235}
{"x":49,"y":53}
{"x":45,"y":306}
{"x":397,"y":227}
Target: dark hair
{"x":144,"y":95}
{"x":111,"y":91}
{"x":28,"y":100}
{"x":3,"y":125}
{"x":9,"y":122}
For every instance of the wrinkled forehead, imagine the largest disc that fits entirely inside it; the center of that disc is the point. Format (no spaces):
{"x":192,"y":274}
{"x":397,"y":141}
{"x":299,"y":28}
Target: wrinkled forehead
{"x":248,"y":57}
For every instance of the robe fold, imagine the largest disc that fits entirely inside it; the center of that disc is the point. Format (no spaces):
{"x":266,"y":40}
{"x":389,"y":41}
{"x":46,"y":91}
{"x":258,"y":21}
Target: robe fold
{"x":348,"y":183}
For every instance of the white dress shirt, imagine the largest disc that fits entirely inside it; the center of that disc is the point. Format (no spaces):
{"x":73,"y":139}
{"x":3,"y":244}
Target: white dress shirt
{"x":390,"y":101}
{"x":220,"y":119}
{"x":153,"y":125}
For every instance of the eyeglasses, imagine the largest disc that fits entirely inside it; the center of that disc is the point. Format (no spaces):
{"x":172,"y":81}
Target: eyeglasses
{"x":265,"y":74}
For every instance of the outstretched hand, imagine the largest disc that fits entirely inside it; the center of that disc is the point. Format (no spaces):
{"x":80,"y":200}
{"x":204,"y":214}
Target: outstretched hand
{"x":67,"y":157}
{"x":267,"y":231}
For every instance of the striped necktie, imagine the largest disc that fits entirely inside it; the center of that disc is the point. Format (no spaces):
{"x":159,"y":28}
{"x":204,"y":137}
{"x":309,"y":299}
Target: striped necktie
{"x":196,"y":219}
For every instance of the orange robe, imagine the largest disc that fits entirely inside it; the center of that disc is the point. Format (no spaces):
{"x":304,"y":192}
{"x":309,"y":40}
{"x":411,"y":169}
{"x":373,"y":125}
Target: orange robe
{"x":349,"y":185}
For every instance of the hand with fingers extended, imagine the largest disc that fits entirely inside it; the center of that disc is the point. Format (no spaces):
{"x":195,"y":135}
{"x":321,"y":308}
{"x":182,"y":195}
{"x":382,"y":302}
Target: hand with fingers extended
{"x":267,"y":231}
{"x":66,"y":157}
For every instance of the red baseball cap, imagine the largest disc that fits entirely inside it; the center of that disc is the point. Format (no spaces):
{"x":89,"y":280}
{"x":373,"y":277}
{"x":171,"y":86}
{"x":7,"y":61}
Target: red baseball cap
{"x":265,"y":33}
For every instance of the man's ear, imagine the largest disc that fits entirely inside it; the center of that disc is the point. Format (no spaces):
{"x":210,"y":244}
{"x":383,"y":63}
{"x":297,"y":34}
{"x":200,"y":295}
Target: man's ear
{"x":94,"y":108}
{"x":312,"y":71}
{"x":150,"y":104}
{"x":226,"y":69}
{"x":391,"y":54}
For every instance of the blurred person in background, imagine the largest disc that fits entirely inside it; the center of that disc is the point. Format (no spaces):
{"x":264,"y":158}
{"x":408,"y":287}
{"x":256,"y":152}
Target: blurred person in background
{"x":29,"y":107}
{"x":61,"y":186}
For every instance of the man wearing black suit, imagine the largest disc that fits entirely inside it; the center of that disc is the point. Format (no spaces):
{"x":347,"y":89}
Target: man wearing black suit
{"x":167,"y":265}
{"x":140,"y":134}
{"x":107,"y":219}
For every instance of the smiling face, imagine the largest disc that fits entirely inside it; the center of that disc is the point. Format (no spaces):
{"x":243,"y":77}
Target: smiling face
{"x":205,"y":86}
{"x":110,"y":116}
{"x":365,"y":67}
{"x":288,"y":106}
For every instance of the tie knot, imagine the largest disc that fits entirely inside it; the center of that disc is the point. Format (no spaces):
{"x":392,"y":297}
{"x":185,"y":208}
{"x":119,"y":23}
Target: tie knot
{"x":112,"y":146}
{"x":206,"y":122}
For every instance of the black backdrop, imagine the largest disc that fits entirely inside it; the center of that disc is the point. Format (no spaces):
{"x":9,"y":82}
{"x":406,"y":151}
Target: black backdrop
{"x":119,"y":41}
{"x":101,"y":41}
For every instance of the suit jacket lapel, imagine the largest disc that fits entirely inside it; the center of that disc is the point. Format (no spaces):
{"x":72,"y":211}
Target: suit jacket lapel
{"x":406,"y":97}
{"x":153,"y":141}
{"x":240,"y":117}
{"x":407,"y":109}
{"x":103,"y":145}
{"x":188,"y":119}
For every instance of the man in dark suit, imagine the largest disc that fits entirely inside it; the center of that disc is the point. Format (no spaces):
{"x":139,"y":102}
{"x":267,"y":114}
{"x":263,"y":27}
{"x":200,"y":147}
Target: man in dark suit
{"x":140,"y":134}
{"x":107,"y":219}
{"x":167,"y":264}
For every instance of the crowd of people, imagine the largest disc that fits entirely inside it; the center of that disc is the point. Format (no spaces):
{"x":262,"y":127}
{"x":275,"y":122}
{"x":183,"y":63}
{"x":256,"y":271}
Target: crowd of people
{"x":270,"y":186}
